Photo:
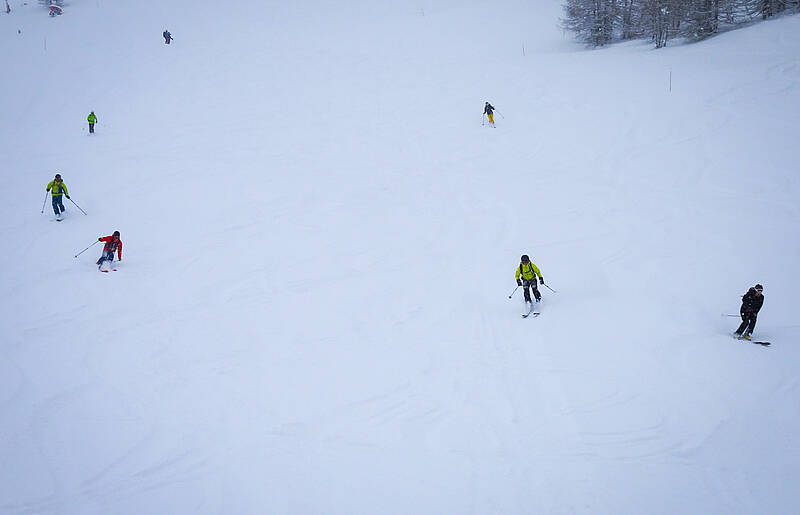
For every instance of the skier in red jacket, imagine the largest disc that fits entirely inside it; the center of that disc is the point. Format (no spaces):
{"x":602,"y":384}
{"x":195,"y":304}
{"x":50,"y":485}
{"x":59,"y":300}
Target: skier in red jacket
{"x":113,"y":243}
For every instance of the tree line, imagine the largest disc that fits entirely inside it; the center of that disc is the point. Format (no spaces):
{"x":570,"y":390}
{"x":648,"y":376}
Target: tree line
{"x":600,"y":22}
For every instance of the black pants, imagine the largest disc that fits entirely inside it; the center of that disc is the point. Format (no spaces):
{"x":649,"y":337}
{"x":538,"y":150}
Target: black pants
{"x":107,"y":256}
{"x":748,"y":322}
{"x":532,"y":285}
{"x":91,"y":128}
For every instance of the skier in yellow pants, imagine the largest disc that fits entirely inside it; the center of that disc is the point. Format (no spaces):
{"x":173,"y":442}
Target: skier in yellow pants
{"x":488,"y":110}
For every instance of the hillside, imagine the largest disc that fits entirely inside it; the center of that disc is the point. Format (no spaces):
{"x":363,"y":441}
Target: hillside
{"x":312,"y":313}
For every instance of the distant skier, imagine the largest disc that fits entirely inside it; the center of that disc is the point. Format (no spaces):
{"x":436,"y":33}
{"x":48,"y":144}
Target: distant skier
{"x":751,"y":305}
{"x":529,"y":271}
{"x":167,"y":37}
{"x":113,"y":244}
{"x":92,"y":119}
{"x":488,"y":110}
{"x":57,"y":188}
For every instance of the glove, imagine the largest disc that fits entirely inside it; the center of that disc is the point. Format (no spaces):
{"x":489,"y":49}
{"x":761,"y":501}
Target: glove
{"x":99,"y":239}
{"x":519,"y":283}
{"x":541,"y":280}
{"x":67,"y":196}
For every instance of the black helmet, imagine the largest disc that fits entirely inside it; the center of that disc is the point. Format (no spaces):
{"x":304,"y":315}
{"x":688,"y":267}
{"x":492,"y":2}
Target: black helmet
{"x":116,"y":233}
{"x":524,"y":258}
{"x":759,"y":287}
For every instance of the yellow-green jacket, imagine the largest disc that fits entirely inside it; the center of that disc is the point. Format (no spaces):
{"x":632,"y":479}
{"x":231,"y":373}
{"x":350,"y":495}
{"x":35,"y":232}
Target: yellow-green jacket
{"x":92,"y":118}
{"x":529,"y":271}
{"x":57,"y":188}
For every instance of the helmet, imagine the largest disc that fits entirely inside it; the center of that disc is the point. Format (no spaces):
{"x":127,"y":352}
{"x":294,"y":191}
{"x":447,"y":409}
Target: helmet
{"x":759,"y":287}
{"x":116,"y":233}
{"x":524,"y":258}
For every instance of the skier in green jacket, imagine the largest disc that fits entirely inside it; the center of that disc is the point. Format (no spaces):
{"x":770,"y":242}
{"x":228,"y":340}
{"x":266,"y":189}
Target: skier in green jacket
{"x":529,"y":271}
{"x":92,"y":119}
{"x":57,"y":188}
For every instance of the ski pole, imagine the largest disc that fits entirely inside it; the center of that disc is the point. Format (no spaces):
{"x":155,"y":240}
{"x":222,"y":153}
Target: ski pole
{"x":483,"y":116}
{"x":549,"y":288}
{"x":44,"y":201}
{"x":513,"y":292}
{"x":79,"y":207}
{"x":729,"y":315}
{"x":87,"y":248}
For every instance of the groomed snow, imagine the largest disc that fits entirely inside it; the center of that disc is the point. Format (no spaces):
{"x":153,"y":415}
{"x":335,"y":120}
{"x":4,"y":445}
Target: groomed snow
{"x":312,"y":313}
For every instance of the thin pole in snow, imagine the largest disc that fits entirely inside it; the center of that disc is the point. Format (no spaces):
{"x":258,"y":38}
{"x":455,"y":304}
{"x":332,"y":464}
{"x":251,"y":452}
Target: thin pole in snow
{"x":523,"y":50}
{"x":87,"y":248}
{"x":670,"y":80}
{"x":79,"y":207}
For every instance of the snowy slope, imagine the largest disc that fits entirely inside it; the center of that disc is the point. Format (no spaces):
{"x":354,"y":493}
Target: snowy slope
{"x":320,"y":238}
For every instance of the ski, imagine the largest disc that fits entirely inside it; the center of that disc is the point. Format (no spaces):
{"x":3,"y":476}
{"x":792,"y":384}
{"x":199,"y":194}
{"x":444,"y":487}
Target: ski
{"x":743,"y":339}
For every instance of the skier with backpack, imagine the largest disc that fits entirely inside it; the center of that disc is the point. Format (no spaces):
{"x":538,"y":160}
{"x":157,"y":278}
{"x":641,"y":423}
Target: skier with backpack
{"x":751,"y":305}
{"x":113,"y":244}
{"x":57,"y":188}
{"x":92,"y":119}
{"x":488,"y":110}
{"x":528,"y":273}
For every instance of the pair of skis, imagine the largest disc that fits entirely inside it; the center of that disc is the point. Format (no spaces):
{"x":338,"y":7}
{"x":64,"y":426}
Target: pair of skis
{"x":531,"y":312}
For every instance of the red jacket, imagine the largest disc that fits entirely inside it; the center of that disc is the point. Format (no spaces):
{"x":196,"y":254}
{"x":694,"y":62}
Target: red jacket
{"x":112,"y":245}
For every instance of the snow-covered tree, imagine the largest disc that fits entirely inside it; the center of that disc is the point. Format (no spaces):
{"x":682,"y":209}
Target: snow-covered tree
{"x":600,"y":22}
{"x":592,"y":21}
{"x":661,"y":19}
{"x":702,"y":19}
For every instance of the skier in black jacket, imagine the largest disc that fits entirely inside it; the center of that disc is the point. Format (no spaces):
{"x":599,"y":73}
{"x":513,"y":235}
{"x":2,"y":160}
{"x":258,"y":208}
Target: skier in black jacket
{"x":488,"y":110}
{"x":751,"y":305}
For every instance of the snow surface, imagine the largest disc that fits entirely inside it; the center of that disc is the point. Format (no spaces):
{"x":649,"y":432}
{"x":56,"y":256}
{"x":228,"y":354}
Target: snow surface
{"x":312,"y":313}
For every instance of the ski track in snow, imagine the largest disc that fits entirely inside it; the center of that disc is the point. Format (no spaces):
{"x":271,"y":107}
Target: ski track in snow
{"x":319,"y":240}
